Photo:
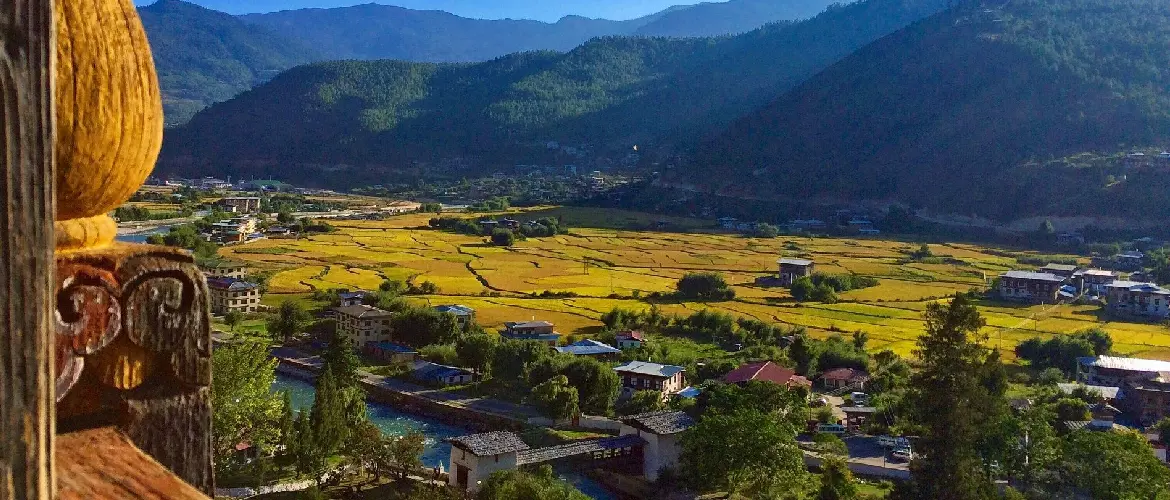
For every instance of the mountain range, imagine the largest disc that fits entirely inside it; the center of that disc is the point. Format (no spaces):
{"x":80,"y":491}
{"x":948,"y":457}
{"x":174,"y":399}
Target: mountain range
{"x":981,"y":109}
{"x":204,"y":56}
{"x":611,"y":94}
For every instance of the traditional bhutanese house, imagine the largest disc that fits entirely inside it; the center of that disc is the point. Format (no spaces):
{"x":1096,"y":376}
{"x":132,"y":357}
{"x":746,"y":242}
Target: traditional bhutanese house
{"x":841,"y":378}
{"x":629,"y":340}
{"x":1131,"y":298}
{"x":224,"y":269}
{"x":1148,"y":400}
{"x":1094,"y":280}
{"x":540,"y":331}
{"x":1026,"y":286}
{"x":351,"y":298}
{"x":364,"y":324}
{"x":231,"y":294}
{"x":661,"y":432}
{"x":390,"y":351}
{"x":1117,"y":371}
{"x":766,"y":371}
{"x":1107,"y":393}
{"x":425,"y":371}
{"x":463,"y":314}
{"x":475,"y":457}
{"x":1129,"y":261}
{"x":792,"y":269}
{"x":1104,"y":416}
{"x":1062,"y":270}
{"x":591,"y":348}
{"x":646,"y":376}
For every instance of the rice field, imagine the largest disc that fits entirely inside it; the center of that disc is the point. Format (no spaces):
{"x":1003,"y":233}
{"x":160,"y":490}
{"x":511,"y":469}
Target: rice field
{"x":617,"y":267}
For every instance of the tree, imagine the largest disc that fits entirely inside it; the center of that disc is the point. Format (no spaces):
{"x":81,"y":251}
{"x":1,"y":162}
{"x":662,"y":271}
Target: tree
{"x":503,"y":238}
{"x":824,"y":293}
{"x":328,"y":414}
{"x":423,"y":326}
{"x":596,"y":383}
{"x":285,"y":218}
{"x":286,"y":422}
{"x":802,"y":289}
{"x":517,"y":484}
{"x":512,"y":358}
{"x":340,"y":359}
{"x":764,"y":397}
{"x":1163,"y":428}
{"x":836,"y":479}
{"x":406,"y":451}
{"x":1114,"y":466}
{"x":245,"y":408}
{"x":955,"y":395}
{"x":804,"y":352}
{"x":555,"y":398}
{"x":476,"y":352}
{"x":830,"y":444}
{"x":747,"y":443}
{"x":232,"y":319}
{"x":1071,"y":409}
{"x":642,"y":402}
{"x":704,"y":286}
{"x":290,"y":319}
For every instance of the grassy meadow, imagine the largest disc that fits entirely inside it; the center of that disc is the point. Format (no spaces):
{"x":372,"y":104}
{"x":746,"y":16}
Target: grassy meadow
{"x":608,"y":266}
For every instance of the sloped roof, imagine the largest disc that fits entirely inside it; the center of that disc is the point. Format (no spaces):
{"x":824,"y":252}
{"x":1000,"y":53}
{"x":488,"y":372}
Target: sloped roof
{"x":1060,"y":267}
{"x":845,"y":374}
{"x":647,"y":368}
{"x":661,"y":422}
{"x":363,"y":311}
{"x":1105,"y":391}
{"x":765,"y":371}
{"x":458,"y":310}
{"x":1127,"y":364}
{"x":527,"y":324}
{"x":394,"y":347}
{"x":1138,"y":286}
{"x":1029,"y":275}
{"x":490,"y":443}
{"x":632,"y":334}
{"x":588,"y":347}
{"x":229,"y":284}
{"x":794,"y":262}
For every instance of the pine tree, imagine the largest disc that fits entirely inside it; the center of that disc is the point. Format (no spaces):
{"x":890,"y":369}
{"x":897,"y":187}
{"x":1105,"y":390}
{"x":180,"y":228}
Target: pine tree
{"x":956,"y":394}
{"x":286,"y":422}
{"x":341,"y":359}
{"x":328,"y":414}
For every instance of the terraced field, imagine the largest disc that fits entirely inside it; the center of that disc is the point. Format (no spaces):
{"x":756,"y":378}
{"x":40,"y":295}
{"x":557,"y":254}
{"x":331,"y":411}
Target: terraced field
{"x":610,"y":268}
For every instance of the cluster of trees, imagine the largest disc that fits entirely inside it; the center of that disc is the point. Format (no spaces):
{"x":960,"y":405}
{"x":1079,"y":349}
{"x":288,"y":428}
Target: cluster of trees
{"x":133,"y":213}
{"x":186,"y":236}
{"x":1061,"y":351}
{"x":810,"y":356}
{"x":823,"y":287}
{"x":704,"y":286}
{"x":704,"y":326}
{"x":494,"y":204}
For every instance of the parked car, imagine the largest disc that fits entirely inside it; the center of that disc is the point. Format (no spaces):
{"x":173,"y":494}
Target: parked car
{"x":859,"y":398}
{"x":819,"y":402}
{"x":902,"y":454}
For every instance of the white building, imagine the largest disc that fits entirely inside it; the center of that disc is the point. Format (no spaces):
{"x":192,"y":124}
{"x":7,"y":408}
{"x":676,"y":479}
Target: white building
{"x":1131,"y":298}
{"x":661,"y":432}
{"x":475,"y":457}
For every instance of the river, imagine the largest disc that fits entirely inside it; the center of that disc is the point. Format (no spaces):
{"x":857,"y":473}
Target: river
{"x":437,"y":450}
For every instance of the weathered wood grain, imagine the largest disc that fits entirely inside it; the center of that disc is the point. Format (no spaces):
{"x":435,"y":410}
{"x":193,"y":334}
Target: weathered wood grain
{"x":134,"y":352}
{"x":26,"y":249}
{"x":103,"y":463}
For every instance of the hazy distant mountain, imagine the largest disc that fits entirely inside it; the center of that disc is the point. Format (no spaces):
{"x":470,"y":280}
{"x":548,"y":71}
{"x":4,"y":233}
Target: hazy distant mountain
{"x":971,"y":111}
{"x":205,"y":56}
{"x":610,"y":93}
{"x":732,"y":17}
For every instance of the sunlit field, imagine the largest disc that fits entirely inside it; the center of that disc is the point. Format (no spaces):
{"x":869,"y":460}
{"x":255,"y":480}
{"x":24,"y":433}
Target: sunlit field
{"x":610,"y":268}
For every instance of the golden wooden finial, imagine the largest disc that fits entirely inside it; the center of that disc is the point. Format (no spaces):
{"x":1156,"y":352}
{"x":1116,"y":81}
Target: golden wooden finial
{"x":109,"y":116}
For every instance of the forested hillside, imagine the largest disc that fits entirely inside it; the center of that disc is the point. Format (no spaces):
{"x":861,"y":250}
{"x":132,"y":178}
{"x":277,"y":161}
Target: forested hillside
{"x":608,"y":93}
{"x":965,"y":110}
{"x":204,"y":56}
{"x":732,"y":17}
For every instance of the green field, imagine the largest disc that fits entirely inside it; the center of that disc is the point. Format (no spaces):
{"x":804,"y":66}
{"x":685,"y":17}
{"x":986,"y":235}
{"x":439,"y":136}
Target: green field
{"x":609,"y":267}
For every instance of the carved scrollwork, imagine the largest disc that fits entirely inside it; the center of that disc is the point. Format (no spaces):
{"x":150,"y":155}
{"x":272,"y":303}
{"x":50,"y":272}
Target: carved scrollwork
{"x":124,"y":315}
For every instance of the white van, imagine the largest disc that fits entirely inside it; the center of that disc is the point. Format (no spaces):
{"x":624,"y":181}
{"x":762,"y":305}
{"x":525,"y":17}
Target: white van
{"x":859,"y":398}
{"x":831,"y":428}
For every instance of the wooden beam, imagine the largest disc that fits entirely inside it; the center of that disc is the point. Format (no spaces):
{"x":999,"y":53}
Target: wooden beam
{"x":26,"y":249}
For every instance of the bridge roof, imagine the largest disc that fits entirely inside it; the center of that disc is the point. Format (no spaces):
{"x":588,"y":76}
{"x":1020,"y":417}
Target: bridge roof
{"x":661,"y":422}
{"x":490,"y":443}
{"x":578,"y":448}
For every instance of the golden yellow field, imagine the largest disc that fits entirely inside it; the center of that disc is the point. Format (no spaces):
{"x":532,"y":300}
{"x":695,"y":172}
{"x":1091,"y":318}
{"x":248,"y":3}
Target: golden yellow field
{"x":608,"y":268}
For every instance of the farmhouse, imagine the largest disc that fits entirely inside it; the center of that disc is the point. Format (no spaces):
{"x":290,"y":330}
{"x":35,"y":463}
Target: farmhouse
{"x":629,"y":340}
{"x":1116,"y":371}
{"x":1025,"y":286}
{"x":391,"y":352}
{"x":425,"y":371}
{"x":1129,"y":261}
{"x":842,"y":378}
{"x":1131,"y":298}
{"x":351,"y":298}
{"x":766,"y":371}
{"x":240,"y":205}
{"x":1104,"y":416}
{"x":1094,"y":280}
{"x":646,"y":376}
{"x":231,"y":294}
{"x":1149,"y":400}
{"x":1062,"y":270}
{"x":463,"y":315}
{"x":661,"y":432}
{"x":540,"y":331}
{"x":792,"y":269}
{"x":590,"y":347}
{"x":363,"y":324}
{"x":224,"y":269}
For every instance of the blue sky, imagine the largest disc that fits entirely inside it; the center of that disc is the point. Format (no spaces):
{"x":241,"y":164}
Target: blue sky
{"x":544,"y":10}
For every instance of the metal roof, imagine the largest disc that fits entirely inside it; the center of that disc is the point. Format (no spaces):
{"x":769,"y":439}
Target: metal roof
{"x":588,"y":347}
{"x":363,"y":311}
{"x":765,"y":371}
{"x":229,"y":284}
{"x":527,"y":324}
{"x":1098,"y":272}
{"x":490,"y":443}
{"x":533,"y":456}
{"x":661,"y":422}
{"x":647,"y":368}
{"x":1029,"y":275}
{"x":458,"y":310}
{"x":1060,"y":267}
{"x":393,"y":347}
{"x":1126,"y":364}
{"x":1139,"y":286}
{"x":794,"y":262}
{"x":1105,"y":391}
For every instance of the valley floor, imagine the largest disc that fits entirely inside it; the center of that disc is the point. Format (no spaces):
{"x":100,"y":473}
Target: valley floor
{"x":608,"y":268}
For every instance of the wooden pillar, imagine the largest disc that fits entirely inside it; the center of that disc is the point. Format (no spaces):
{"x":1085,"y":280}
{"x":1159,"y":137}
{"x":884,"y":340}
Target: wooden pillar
{"x":26,"y":249}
